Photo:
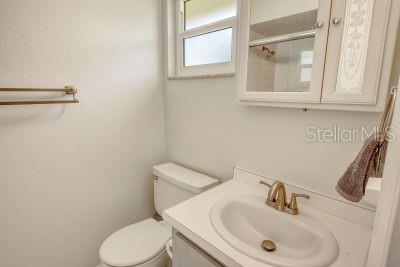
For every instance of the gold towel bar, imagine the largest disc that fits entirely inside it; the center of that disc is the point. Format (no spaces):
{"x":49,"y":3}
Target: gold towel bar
{"x":387,"y":116}
{"x":68,"y":90}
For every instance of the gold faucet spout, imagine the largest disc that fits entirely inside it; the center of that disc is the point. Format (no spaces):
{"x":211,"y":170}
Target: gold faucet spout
{"x":277,"y":196}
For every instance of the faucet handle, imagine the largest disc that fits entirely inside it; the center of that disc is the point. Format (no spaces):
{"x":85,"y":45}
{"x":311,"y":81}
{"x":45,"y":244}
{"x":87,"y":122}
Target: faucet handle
{"x":268,"y":201}
{"x":293,"y":203}
{"x":266,"y":184}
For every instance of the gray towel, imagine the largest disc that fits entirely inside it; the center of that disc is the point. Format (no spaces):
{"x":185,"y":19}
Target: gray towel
{"x":369,"y":163}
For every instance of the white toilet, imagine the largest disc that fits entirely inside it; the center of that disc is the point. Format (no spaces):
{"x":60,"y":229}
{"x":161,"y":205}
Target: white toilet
{"x":143,"y":244}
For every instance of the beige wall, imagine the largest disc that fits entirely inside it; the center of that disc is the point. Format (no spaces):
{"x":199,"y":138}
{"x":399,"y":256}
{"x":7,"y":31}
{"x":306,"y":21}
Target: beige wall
{"x":71,"y":175}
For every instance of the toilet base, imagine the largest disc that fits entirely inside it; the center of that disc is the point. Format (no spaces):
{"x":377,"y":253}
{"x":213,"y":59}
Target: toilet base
{"x":161,"y":260}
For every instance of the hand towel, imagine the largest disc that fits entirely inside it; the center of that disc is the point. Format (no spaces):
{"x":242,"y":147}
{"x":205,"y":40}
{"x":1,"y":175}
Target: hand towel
{"x":369,"y":163}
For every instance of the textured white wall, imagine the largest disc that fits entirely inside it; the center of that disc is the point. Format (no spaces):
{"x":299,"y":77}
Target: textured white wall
{"x":69,"y":176}
{"x":208,"y":131}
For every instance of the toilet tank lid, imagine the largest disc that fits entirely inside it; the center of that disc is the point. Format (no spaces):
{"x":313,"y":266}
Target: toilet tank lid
{"x":184,"y":178}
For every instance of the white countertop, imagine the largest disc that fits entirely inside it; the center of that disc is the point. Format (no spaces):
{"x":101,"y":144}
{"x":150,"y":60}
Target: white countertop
{"x":191,"y":218}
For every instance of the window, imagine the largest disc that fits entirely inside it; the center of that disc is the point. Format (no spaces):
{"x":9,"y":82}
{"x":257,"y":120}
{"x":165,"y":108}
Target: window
{"x":306,"y":62}
{"x":205,"y":37}
{"x":208,"y":48}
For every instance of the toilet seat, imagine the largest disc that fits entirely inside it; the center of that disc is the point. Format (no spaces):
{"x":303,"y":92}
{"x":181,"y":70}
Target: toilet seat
{"x":135,"y":244}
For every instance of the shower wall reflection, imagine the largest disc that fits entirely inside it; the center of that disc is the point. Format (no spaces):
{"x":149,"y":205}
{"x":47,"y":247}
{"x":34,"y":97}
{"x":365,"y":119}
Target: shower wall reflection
{"x":276,"y":64}
{"x":280,"y":67}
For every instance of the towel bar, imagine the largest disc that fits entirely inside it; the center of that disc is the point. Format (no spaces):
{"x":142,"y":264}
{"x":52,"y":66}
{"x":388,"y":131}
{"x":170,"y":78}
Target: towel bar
{"x":69,"y":90}
{"x":387,"y":116}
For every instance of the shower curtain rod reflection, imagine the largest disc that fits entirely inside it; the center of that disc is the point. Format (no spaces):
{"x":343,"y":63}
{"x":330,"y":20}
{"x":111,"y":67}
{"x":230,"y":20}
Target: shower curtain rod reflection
{"x":283,"y":38}
{"x":69,"y":90}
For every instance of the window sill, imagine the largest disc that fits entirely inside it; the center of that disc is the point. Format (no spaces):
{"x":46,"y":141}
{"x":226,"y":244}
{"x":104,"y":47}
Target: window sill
{"x":200,"y":76}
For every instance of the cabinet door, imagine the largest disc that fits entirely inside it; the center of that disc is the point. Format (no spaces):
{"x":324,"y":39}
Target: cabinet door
{"x":286,"y":47}
{"x":355,"y":51}
{"x":185,"y":254}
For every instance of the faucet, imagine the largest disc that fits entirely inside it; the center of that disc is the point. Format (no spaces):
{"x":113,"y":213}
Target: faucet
{"x":277,"y":198}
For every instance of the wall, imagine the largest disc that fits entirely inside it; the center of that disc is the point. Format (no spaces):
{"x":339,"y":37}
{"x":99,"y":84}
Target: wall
{"x":208,"y":131}
{"x":71,"y":175}
{"x":200,"y":13}
{"x":282,"y":71}
{"x":394,"y":255}
{"x":262,"y":10}
{"x":393,"y":259}
{"x":261,"y":72}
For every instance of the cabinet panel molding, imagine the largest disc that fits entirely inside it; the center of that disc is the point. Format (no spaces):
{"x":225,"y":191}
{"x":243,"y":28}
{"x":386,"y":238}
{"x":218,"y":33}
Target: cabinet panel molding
{"x":354,"y":45}
{"x":355,"y":51}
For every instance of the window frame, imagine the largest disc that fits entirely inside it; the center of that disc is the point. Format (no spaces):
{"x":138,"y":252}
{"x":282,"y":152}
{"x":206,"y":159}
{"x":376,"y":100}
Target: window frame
{"x":205,"y":70}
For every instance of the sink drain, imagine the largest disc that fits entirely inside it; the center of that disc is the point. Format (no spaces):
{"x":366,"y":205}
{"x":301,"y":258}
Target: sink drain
{"x":268,"y":245}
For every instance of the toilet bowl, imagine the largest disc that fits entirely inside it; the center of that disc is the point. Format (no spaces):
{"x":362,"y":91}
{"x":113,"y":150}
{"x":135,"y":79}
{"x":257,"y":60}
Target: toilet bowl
{"x":143,"y":244}
{"x":140,"y":244}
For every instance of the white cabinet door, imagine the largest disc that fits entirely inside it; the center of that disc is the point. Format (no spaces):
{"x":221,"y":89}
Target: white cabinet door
{"x":355,"y":50}
{"x":293,"y":71}
{"x":186,"y":254}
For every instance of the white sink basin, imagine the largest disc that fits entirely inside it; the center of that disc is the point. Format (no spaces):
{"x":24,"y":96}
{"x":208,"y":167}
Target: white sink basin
{"x":301,"y":241}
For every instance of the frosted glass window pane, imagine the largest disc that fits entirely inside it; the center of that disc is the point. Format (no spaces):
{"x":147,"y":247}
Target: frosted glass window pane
{"x":208,"y":48}
{"x":307,"y":57}
{"x":306,"y":74}
{"x":201,"y":12}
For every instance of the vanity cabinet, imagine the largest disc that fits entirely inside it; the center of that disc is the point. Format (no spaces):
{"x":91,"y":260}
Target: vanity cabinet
{"x":325,"y":54}
{"x":185,"y":254}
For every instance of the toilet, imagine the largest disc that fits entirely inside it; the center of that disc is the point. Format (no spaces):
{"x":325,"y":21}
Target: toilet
{"x":143,"y":244}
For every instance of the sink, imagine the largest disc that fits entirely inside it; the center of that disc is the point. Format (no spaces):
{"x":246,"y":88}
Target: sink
{"x":301,"y":241}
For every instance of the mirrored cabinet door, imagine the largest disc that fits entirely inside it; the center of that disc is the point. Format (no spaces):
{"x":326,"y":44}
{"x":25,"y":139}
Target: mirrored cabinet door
{"x":286,"y":50}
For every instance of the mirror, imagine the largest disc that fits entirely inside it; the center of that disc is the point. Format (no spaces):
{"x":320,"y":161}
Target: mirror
{"x":281,"y":45}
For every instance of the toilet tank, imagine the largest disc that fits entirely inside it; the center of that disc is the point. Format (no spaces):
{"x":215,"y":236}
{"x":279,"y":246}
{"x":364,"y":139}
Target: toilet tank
{"x":174,"y":184}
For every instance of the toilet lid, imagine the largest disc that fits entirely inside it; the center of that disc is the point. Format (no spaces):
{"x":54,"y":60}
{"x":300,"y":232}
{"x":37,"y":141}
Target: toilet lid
{"x":134,"y":244}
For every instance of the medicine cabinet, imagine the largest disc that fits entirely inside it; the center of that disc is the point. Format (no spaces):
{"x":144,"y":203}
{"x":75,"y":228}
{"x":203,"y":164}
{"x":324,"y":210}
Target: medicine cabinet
{"x":316,"y":53}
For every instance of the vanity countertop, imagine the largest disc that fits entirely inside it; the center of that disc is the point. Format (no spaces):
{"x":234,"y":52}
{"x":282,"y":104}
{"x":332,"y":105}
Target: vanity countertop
{"x":192,"y":219}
